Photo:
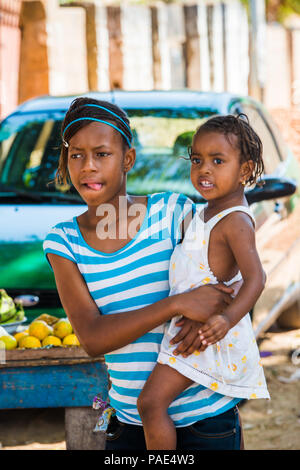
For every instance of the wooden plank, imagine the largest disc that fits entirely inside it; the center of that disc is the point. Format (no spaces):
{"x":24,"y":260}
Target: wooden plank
{"x":46,"y":362}
{"x":192,"y":47}
{"x":47,"y":356}
{"x":47,"y":353}
{"x":116,"y":62}
{"x":52,"y":386}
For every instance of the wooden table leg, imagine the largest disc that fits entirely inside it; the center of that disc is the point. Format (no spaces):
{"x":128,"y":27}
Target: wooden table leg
{"x":79,"y":425}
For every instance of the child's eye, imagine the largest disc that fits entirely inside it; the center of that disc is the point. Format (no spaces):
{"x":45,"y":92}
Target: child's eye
{"x":218,"y":161}
{"x":195,"y":161}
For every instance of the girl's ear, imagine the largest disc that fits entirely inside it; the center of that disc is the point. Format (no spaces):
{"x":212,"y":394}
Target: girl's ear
{"x":247,"y":169}
{"x":129,"y":159}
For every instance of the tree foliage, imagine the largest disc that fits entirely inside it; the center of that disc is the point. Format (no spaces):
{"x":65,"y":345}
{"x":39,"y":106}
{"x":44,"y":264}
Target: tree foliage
{"x":279,"y":10}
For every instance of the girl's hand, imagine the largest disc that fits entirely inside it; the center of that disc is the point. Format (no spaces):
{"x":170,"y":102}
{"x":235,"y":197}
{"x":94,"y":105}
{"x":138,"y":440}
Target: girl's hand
{"x":188,"y":337}
{"x":202,"y":302}
{"x":216,"y":327}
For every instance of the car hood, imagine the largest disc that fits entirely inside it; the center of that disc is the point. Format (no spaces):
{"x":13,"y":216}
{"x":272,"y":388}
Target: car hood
{"x":23,"y":229}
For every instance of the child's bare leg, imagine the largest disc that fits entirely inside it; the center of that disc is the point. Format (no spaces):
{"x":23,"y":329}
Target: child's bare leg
{"x":162,"y":387}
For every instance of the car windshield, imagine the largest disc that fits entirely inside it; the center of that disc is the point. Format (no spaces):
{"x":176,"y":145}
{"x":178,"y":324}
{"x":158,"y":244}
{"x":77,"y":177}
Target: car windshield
{"x":30,"y":147}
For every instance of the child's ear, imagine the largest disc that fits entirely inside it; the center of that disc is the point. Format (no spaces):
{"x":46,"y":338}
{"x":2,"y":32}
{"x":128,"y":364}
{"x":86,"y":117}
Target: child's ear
{"x":247,"y":169}
{"x":129,"y":159}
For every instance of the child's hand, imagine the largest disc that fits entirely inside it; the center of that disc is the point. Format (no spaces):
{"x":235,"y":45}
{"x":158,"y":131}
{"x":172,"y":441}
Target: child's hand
{"x":188,"y":337}
{"x":214,"y":329}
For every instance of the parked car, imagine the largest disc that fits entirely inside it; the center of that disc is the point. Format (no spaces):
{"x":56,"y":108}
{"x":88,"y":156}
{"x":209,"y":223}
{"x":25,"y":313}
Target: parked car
{"x":163,"y":123}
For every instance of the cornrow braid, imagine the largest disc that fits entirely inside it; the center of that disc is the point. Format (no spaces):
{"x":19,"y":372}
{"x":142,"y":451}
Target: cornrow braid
{"x":81,"y":113}
{"x":249,"y":143}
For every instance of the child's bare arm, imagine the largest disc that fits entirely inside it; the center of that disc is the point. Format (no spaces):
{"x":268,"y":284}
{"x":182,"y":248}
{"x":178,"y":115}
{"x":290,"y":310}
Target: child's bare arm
{"x":100,"y":334}
{"x":240,"y":236}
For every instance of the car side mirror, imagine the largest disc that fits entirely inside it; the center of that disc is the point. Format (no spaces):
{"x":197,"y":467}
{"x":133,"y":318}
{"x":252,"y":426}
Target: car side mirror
{"x":272,"y":188}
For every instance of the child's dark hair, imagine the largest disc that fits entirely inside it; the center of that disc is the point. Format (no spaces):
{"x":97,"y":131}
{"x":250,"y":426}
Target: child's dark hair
{"x":249,"y":143}
{"x":80,"y":108}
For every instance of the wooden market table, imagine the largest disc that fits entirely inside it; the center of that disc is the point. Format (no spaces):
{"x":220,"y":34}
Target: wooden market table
{"x":53,"y":378}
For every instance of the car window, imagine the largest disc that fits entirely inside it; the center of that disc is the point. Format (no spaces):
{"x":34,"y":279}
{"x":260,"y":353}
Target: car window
{"x":271,"y":154}
{"x":29,"y":152}
{"x":30,"y":148}
{"x":161,"y":138}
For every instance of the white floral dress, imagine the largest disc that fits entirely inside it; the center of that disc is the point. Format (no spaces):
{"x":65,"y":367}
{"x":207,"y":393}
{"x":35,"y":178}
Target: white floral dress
{"x":232,"y":366}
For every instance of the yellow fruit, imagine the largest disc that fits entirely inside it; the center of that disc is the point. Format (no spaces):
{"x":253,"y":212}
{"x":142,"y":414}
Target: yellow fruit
{"x":39,"y":329}
{"x":29,"y":342}
{"x":20,"y":335}
{"x":49,"y":319}
{"x":71,"y":340}
{"x":9,"y":342}
{"x":51,"y":340}
{"x":62,"y":328}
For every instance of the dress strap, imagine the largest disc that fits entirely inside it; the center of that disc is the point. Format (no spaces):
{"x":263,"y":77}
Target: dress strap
{"x":216,"y":218}
{"x":209,"y":225}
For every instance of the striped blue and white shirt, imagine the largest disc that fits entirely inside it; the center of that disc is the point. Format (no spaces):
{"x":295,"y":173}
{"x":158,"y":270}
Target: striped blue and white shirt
{"x":131,"y":278}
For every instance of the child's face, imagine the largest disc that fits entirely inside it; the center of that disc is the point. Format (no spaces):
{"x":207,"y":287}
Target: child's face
{"x":97,"y":163}
{"x":216,"y":170}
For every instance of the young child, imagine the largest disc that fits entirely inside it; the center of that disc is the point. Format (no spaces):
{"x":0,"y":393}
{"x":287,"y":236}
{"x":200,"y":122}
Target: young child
{"x":218,"y":246}
{"x":114,"y":284}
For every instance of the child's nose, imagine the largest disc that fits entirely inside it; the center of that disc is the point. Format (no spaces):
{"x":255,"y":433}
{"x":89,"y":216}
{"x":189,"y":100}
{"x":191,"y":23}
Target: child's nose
{"x":205,"y":168}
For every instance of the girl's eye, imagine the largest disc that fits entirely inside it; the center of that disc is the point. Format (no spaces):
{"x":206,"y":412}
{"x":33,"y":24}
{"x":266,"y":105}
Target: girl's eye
{"x":195,"y":161}
{"x":102,"y":154}
{"x":75,"y":155}
{"x":218,"y":161}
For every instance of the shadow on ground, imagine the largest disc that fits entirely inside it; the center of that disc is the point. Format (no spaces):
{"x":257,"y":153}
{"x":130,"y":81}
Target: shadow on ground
{"x":23,"y":427}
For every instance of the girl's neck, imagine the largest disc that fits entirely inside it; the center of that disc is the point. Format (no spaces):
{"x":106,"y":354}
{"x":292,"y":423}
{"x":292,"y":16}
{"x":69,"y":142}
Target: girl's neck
{"x":108,"y":228}
{"x":214,"y":206}
{"x":114,"y":213}
{"x":95,"y":213}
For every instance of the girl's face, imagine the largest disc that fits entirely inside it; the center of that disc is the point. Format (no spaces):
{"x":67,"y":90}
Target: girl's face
{"x":98,"y":164}
{"x":216,"y":170}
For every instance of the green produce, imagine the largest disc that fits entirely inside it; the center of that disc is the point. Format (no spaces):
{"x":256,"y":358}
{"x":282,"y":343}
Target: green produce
{"x":20,"y":314}
{"x":7,"y":307}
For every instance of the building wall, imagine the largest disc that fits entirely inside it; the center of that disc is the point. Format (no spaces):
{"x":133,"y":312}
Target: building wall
{"x":10,"y":40}
{"x":59,"y":49}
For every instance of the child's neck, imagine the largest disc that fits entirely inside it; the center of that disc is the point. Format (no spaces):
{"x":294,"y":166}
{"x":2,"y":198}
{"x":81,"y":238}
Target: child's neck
{"x":214,"y":206}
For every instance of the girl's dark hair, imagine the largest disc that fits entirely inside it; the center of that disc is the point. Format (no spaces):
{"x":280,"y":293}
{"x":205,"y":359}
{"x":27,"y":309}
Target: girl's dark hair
{"x":249,"y":143}
{"x":78,"y":109}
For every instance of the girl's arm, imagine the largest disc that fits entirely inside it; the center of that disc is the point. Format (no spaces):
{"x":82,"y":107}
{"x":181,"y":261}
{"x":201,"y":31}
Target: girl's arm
{"x":100,"y":334}
{"x":240,"y":236}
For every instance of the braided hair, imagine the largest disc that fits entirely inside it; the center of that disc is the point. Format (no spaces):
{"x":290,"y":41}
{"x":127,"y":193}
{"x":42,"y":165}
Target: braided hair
{"x":249,"y":143}
{"x":85,"y":107}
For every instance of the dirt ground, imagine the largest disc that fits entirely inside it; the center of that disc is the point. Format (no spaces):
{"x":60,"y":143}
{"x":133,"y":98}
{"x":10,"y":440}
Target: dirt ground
{"x":268,"y":425}
{"x":275,"y":424}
